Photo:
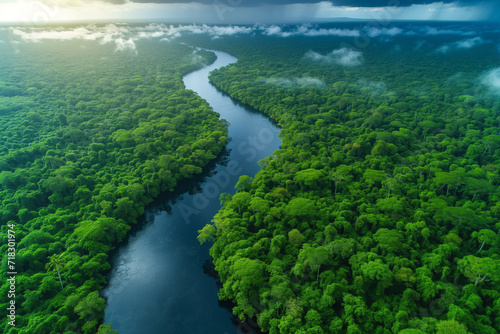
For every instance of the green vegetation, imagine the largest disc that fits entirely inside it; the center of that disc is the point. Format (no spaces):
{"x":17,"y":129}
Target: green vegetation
{"x":380,"y":212}
{"x":88,"y":137}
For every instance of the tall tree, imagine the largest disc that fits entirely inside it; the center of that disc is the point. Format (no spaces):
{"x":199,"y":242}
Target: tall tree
{"x":56,"y":262}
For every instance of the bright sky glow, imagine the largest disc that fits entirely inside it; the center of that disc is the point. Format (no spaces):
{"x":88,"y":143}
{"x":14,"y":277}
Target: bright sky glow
{"x":40,"y":11}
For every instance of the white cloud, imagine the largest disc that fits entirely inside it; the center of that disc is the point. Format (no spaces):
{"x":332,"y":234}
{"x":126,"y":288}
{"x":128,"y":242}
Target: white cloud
{"x":443,"y":49}
{"x":492,"y":80}
{"x":343,"y":57}
{"x":293,"y":82}
{"x":370,"y":31}
{"x":375,"y":32}
{"x":227,"y":30}
{"x":62,"y":3}
{"x":124,"y":36}
{"x":333,"y":32}
{"x":470,"y":43}
{"x":463,"y":44}
{"x":307,"y":30}
{"x":434,"y":31}
{"x":276,"y":31}
{"x":119,"y":35}
{"x":125,"y":44}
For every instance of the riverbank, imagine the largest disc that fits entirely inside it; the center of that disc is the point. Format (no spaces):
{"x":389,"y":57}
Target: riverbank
{"x":157,"y":283}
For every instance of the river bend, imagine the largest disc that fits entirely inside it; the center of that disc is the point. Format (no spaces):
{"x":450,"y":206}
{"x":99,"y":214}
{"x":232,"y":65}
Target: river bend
{"x":160,"y":282}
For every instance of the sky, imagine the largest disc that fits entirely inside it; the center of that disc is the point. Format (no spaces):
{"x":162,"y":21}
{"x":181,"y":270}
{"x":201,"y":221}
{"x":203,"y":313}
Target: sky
{"x":246,"y":11}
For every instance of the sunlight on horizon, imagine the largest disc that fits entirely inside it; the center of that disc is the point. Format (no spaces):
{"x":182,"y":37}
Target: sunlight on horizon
{"x":44,"y":11}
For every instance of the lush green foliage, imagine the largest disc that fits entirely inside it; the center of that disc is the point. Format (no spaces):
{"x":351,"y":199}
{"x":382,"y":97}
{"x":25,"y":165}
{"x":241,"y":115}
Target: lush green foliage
{"x":89,"y":136}
{"x":379,"y":214}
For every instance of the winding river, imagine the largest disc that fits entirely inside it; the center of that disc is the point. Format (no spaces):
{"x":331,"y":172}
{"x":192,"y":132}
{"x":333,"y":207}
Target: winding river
{"x":161,"y":279}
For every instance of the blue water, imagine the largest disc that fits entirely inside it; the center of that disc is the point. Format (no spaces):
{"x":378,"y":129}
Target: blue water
{"x":161,"y":280}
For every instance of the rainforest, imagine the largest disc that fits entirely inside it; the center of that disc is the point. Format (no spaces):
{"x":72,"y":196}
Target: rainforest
{"x":378,"y":213}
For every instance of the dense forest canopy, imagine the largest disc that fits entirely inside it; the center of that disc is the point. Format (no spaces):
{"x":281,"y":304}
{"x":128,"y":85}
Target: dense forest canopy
{"x":90,"y":134}
{"x":380,"y":213}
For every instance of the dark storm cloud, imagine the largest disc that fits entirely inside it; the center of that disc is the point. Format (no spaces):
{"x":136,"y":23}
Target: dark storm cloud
{"x":489,"y":9}
{"x":348,"y":3}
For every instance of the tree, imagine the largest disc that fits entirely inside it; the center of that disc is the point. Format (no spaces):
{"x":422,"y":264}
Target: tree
{"x":450,"y":327}
{"x":341,"y":174}
{"x":475,"y":186}
{"x":106,"y":329}
{"x":308,"y":178}
{"x":378,"y":271}
{"x":355,"y":310}
{"x":206,"y":234}
{"x":301,"y":207}
{"x":451,"y":180}
{"x":246,"y":279}
{"x":90,"y":309}
{"x":390,"y":183}
{"x":390,"y":240}
{"x":244,"y":182}
{"x":411,"y":331}
{"x":491,"y":143}
{"x":295,"y":237}
{"x":313,"y":257}
{"x":372,"y":176}
{"x":125,"y":209}
{"x":478,"y":269}
{"x":56,"y":262}
{"x":485,"y":236}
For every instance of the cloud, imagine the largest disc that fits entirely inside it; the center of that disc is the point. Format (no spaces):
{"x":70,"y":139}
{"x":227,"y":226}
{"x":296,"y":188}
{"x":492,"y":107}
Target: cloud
{"x":119,"y":35}
{"x":375,"y":88}
{"x":469,"y":43}
{"x":306,"y":30}
{"x":492,"y":80}
{"x":123,"y":36}
{"x":435,"y":31}
{"x":171,"y":32}
{"x":91,"y":32}
{"x":125,"y":44}
{"x":443,"y":49}
{"x":293,"y":82}
{"x":463,"y":44}
{"x":63,"y":3}
{"x":343,"y":57}
{"x":276,"y":31}
{"x":375,"y":32}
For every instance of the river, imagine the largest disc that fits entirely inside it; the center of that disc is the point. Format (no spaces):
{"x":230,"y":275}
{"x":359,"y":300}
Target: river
{"x":160,"y":280}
